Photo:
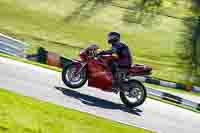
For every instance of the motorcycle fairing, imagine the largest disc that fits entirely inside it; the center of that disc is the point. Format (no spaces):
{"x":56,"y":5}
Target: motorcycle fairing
{"x":99,"y":76}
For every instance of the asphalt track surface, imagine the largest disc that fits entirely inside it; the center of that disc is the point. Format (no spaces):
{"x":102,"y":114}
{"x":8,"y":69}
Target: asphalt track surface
{"x":46,"y":85}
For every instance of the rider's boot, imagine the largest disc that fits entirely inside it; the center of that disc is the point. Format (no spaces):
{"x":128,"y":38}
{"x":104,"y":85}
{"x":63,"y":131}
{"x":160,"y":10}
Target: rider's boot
{"x":116,"y":82}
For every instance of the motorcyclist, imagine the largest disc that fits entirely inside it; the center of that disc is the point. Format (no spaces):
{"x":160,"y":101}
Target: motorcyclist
{"x":121,"y":50}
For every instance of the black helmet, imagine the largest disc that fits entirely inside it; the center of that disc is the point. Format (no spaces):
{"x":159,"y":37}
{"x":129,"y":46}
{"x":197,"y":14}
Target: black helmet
{"x":113,"y":37}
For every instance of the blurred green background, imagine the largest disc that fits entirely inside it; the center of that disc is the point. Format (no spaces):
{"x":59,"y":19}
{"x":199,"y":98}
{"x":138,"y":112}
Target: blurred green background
{"x":161,"y":33}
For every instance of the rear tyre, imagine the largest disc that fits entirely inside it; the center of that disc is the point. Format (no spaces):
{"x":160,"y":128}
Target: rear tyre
{"x":133,"y":94}
{"x":70,"y":79}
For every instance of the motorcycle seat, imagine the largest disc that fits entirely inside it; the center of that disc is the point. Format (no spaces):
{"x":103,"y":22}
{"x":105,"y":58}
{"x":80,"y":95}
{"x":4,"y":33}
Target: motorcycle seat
{"x":140,"y":69}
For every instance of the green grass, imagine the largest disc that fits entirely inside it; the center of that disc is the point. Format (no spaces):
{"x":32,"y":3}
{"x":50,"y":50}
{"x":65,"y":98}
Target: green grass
{"x":81,"y":22}
{"x":20,"y":114}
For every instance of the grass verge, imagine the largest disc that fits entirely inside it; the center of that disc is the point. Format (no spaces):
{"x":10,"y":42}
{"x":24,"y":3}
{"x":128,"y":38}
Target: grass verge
{"x":29,"y":115}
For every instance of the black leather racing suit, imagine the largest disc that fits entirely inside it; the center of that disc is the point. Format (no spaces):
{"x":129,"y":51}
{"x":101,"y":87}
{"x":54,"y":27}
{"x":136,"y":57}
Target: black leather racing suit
{"x":124,"y":56}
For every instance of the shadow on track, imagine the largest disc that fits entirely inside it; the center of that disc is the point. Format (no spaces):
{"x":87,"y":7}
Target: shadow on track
{"x":98,"y":102}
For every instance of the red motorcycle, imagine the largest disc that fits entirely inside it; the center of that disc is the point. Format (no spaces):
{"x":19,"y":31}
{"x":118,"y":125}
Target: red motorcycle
{"x":96,"y":70}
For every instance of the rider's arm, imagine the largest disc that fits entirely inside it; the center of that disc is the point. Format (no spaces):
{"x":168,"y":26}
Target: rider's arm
{"x":105,"y":52}
{"x":112,"y":51}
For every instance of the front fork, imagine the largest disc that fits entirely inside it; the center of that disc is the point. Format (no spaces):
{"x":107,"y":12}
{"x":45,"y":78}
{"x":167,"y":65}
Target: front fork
{"x":83,"y":65}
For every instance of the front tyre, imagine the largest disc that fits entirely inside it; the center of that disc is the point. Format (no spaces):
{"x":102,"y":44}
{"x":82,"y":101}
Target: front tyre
{"x":133,"y":93}
{"x":70,"y":78}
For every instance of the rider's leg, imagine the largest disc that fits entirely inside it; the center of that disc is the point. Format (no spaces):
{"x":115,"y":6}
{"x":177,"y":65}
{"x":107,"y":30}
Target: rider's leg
{"x":114,"y":69}
{"x":116,"y":75}
{"x":124,"y":65}
{"x":119,"y":73}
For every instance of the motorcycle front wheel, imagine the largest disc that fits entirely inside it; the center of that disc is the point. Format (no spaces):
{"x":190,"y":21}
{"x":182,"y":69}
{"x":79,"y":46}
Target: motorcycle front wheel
{"x":70,"y":78}
{"x":133,"y":93}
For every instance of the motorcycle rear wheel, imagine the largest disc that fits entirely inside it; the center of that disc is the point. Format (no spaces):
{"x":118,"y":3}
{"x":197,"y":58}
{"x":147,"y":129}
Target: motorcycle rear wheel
{"x":69,"y":78}
{"x":135,"y":90}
